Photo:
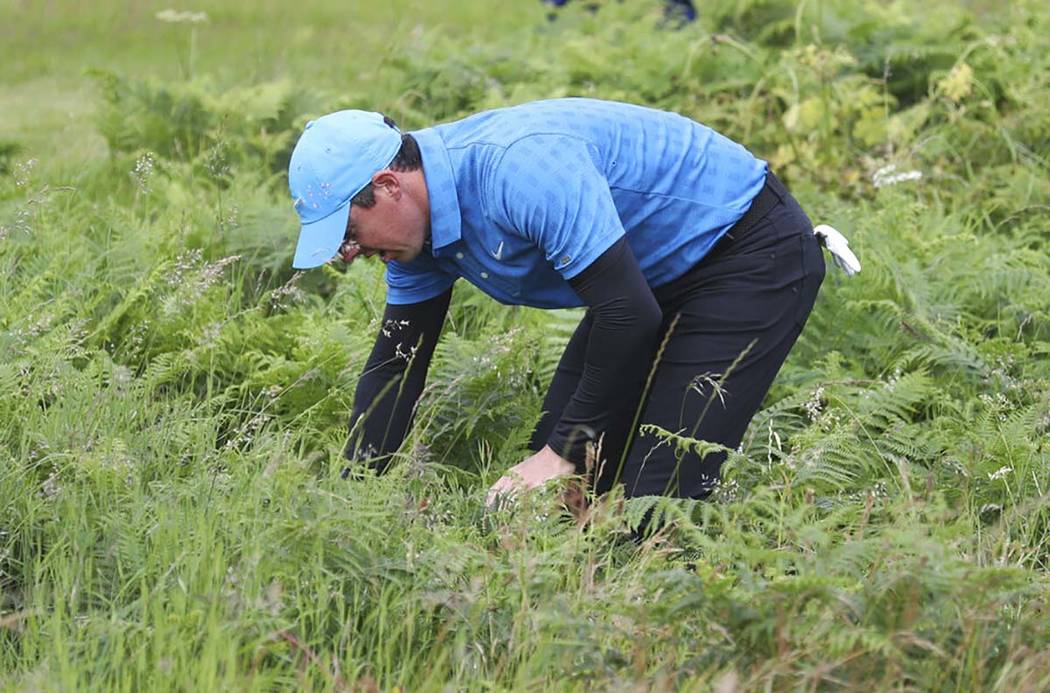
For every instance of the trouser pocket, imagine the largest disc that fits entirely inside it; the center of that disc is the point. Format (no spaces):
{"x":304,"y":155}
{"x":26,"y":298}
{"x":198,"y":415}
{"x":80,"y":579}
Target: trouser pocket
{"x":812,"y":276}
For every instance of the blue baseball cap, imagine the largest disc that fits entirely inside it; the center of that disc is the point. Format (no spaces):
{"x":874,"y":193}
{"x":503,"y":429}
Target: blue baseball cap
{"x":335,"y":159}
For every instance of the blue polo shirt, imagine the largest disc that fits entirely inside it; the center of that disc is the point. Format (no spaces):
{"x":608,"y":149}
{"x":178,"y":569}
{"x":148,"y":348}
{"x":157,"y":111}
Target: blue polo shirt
{"x":524,"y":198}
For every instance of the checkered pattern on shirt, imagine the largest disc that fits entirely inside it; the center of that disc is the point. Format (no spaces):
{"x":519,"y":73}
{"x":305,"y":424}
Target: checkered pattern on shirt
{"x":524,"y":198}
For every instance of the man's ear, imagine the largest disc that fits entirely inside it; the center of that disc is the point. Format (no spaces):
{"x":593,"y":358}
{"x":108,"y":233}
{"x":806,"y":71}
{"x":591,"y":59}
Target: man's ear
{"x":387,"y":181}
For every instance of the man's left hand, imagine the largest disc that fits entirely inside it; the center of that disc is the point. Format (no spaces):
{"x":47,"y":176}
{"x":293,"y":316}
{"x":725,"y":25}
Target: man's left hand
{"x":534,"y":471}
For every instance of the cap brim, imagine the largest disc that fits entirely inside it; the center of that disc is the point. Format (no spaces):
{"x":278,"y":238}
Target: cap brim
{"x":319,"y":241}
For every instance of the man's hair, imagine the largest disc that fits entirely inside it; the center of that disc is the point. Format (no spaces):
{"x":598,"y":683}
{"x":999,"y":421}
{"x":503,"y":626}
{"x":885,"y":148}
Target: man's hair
{"x":407,"y":159}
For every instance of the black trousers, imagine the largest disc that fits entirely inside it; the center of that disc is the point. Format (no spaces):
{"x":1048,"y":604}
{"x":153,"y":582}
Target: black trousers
{"x":728,"y":325}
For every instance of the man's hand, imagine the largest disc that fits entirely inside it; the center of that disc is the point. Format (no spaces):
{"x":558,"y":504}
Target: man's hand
{"x":534,"y":471}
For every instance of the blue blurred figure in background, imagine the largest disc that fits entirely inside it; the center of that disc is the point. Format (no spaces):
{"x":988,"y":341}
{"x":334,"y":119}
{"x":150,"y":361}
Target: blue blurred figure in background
{"x":680,"y":10}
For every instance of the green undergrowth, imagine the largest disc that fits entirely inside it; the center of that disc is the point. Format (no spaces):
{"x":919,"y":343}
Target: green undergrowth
{"x":175,"y":396}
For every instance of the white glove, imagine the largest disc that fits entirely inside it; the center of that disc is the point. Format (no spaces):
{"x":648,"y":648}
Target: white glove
{"x":839,"y":247}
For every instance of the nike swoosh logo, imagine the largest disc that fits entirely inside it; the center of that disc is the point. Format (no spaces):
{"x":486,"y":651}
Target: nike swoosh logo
{"x":498,"y":252}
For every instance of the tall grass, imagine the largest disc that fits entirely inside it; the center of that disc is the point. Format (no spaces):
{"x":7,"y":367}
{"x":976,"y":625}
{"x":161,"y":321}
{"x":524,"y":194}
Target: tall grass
{"x":171,"y":512}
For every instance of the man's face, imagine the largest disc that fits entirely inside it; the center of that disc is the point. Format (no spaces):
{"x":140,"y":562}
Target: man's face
{"x":394,"y":228}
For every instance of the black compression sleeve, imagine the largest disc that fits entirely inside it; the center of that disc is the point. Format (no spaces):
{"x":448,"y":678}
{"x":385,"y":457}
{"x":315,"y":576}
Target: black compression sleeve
{"x":385,"y":399}
{"x":626,"y":324}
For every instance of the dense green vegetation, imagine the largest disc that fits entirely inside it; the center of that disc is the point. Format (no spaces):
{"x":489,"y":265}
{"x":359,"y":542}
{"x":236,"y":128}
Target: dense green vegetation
{"x":175,"y":397}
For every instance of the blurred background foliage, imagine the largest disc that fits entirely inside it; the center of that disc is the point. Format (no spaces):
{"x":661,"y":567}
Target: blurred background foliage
{"x":176,"y":396}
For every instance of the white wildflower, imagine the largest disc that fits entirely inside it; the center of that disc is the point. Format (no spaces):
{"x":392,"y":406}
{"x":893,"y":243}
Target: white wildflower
{"x":143,"y":171}
{"x":184,"y":263}
{"x":999,"y":473}
{"x":41,"y":325}
{"x":289,"y":291}
{"x":211,"y":273}
{"x":389,"y":326}
{"x":886,"y":176}
{"x":248,"y":431}
{"x":401,"y":353}
{"x":182,"y":17}
{"x":22,"y":172}
{"x":814,"y":404}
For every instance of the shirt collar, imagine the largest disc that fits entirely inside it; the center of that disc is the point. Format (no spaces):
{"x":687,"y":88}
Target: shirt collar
{"x":445,"y":218}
